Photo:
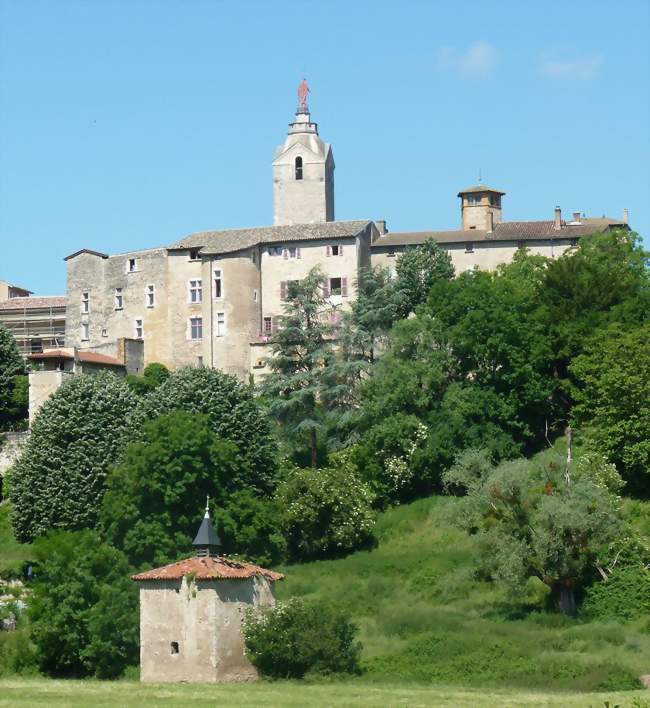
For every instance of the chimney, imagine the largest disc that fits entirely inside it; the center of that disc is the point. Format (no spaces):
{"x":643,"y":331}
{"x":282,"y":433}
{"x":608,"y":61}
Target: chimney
{"x":490,"y":221}
{"x":576,"y":216}
{"x":381,"y":226}
{"x":558,"y":218}
{"x":626,"y":217}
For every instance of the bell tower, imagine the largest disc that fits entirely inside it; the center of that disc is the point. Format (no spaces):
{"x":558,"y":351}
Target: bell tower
{"x":480,"y":207}
{"x":303,"y":172}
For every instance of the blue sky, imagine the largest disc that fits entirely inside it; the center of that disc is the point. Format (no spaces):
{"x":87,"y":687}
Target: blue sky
{"x":130,"y":124}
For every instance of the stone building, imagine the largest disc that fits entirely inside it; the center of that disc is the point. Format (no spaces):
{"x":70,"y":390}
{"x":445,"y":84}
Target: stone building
{"x":213,"y":298}
{"x":36,"y":322}
{"x":191,"y":614}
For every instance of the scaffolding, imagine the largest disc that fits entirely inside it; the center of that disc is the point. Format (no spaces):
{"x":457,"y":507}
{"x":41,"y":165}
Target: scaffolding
{"x":34,"y":326}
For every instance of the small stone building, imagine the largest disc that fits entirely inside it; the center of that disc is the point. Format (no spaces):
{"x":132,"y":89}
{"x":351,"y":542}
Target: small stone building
{"x":191,"y":614}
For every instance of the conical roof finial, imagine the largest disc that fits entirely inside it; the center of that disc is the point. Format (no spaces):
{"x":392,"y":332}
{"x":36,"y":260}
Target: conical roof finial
{"x":207,"y":542}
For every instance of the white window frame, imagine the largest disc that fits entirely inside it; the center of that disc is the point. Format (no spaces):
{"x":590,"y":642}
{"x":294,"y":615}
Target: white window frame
{"x":196,"y":289}
{"x":129,"y":261}
{"x":137,"y":327}
{"x":220,"y":324}
{"x":85,"y":331}
{"x":150,"y":295}
{"x":220,"y":279}
{"x":195,"y":322}
{"x":119,"y":297}
{"x":85,"y":302}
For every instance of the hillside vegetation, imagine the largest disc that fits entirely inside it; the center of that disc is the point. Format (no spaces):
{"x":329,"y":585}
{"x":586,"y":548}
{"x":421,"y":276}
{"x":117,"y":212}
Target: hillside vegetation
{"x":423,"y":616}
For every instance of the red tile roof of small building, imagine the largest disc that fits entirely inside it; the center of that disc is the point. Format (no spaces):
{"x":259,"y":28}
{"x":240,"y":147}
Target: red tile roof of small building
{"x":208,"y":568}
{"x":34,"y":303}
{"x":90,"y":357}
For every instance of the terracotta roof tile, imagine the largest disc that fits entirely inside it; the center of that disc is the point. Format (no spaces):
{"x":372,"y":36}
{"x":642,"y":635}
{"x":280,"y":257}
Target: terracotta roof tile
{"x":90,"y":357}
{"x":34,"y":303}
{"x":208,"y":568}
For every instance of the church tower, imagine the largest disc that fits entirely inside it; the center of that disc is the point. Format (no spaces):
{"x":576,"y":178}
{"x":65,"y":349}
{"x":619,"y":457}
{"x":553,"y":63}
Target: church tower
{"x":303,"y":172}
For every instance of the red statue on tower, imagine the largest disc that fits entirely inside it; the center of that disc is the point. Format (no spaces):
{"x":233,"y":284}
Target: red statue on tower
{"x":303,"y":91}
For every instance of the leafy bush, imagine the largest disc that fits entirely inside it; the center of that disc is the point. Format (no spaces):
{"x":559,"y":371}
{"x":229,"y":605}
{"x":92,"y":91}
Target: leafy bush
{"x":326,"y":512}
{"x":296,"y":638}
{"x":153,"y":375}
{"x":17,"y":654}
{"x":154,"y":498}
{"x":625,"y":595}
{"x":232,"y":412}
{"x":84,"y":616}
{"x":78,"y":433}
{"x":13,"y":383}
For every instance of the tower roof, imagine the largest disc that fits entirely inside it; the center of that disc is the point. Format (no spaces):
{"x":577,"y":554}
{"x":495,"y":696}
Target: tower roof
{"x":479,"y":188}
{"x":206,"y":541}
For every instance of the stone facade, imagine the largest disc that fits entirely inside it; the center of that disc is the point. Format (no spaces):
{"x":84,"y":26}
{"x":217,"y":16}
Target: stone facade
{"x":212,"y":298}
{"x":11,"y":448}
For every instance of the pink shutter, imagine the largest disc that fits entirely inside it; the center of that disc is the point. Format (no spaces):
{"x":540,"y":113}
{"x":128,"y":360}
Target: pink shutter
{"x":341,"y":250}
{"x":298,"y":253}
{"x":326,"y":287}
{"x":274,"y":324}
{"x":285,"y":253}
{"x":344,"y":287}
{"x":283,"y":290}
{"x":328,"y":250}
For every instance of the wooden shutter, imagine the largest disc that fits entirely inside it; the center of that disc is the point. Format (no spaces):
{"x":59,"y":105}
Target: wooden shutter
{"x":298,"y":252}
{"x":285,"y":253}
{"x":326,"y":287}
{"x":340,"y":249}
{"x":283,"y":290}
{"x":344,"y":287}
{"x":275,"y":325}
{"x":328,"y":250}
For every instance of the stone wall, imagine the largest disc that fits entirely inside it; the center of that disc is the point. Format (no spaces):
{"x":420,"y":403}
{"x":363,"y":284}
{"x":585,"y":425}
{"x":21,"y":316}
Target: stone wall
{"x":11,"y":448}
{"x":202,"y":620}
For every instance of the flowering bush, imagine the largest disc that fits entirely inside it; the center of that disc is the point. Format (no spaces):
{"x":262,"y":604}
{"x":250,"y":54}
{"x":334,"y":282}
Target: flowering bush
{"x":326,"y":512}
{"x":295,"y":638}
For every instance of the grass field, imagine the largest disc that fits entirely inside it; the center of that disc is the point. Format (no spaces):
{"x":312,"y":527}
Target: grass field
{"x":38,"y":693}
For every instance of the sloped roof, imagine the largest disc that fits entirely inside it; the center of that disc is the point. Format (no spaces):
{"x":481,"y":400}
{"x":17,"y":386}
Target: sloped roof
{"x":236,"y":239}
{"x":34,"y":303}
{"x":90,"y":357}
{"x":208,"y":568}
{"x":86,"y":250}
{"x":480,"y":188}
{"x":504,"y":231}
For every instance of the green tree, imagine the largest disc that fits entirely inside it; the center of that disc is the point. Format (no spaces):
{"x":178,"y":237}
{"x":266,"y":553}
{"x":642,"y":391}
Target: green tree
{"x":154,"y":374}
{"x":612,"y":396}
{"x":84,"y":608}
{"x":418,"y":270}
{"x":302,"y":348}
{"x":154,"y":499}
{"x":79,"y":432}
{"x":232,"y":411}
{"x":535,"y":522}
{"x":13,"y":383}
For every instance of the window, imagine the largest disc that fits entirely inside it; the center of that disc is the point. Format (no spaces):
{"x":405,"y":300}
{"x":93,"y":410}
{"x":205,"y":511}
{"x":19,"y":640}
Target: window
{"x":391,"y":252}
{"x":267,"y":325}
{"x":275,"y":250}
{"x":151,"y":295}
{"x":469,"y":247}
{"x":104,"y":332}
{"x":85,"y":302}
{"x":472,"y":227}
{"x":36,"y":346}
{"x":336,"y":286}
{"x":139,"y":329}
{"x":334,"y":250}
{"x":254,"y":295}
{"x":218,"y":284}
{"x":196,"y":328}
{"x":221,"y":324}
{"x":85,"y":331}
{"x":174,"y":648}
{"x":195,"y":254}
{"x":196,"y":291}
{"x":119,"y":299}
{"x":285,"y":286}
{"x":474,"y":199}
{"x":299,"y":167}
{"x":199,"y":362}
{"x":291,"y":252}
{"x":131,"y":265}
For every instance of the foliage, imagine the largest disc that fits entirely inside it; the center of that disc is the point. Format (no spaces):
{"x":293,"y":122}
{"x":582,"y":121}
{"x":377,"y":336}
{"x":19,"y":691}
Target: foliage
{"x":531,"y":521}
{"x":17,"y":655}
{"x":154,"y":499}
{"x":250,"y":527}
{"x":624,"y":596}
{"x":83,"y":613}
{"x":154,"y":374}
{"x":296,"y":638}
{"x":302,"y":349}
{"x":613,"y":399}
{"x":418,"y":270}
{"x":326,"y":512}
{"x":232,"y":411}
{"x":14,"y":556}
{"x":13,"y":383}
{"x":78,"y":433}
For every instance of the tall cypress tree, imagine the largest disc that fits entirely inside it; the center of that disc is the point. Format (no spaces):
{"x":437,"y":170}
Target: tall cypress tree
{"x":12,"y":384}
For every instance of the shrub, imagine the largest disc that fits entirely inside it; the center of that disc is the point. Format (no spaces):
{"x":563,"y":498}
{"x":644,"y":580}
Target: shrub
{"x":232,"y":412}
{"x":83,"y":612}
{"x":296,"y":638}
{"x":13,"y":383}
{"x":625,"y":596}
{"x":153,"y":501}
{"x":17,"y":655}
{"x":326,"y":512}
{"x":153,"y":375}
{"x":78,"y":433}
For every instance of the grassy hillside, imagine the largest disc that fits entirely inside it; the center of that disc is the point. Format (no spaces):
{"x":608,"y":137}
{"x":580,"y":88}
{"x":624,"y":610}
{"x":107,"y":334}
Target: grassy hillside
{"x":423,"y":617}
{"x":12,"y":554}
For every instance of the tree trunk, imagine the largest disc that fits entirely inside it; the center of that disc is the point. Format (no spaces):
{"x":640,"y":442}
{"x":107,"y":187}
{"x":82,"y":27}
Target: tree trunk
{"x":314,"y":449}
{"x":567,"y":600}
